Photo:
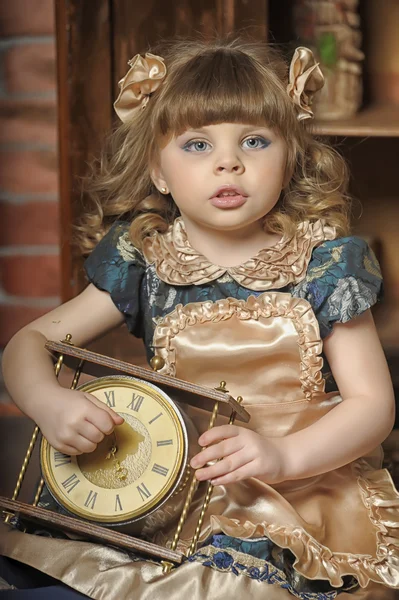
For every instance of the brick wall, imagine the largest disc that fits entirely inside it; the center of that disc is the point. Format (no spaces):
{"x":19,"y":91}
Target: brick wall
{"x":29,"y":229}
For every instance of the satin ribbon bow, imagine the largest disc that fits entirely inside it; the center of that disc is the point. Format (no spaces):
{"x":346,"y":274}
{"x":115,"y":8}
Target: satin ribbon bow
{"x":305,"y":79}
{"x":143,"y":78}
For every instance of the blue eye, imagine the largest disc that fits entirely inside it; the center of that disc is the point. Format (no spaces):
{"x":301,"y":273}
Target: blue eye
{"x":196,"y":146}
{"x":255,"y":142}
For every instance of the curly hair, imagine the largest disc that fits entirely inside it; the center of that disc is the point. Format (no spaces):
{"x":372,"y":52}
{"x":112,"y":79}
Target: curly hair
{"x":229,"y":80}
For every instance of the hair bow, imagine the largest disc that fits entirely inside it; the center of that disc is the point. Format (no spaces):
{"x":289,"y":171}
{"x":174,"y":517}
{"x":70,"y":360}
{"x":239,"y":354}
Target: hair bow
{"x":143,"y":78}
{"x":305,"y":79}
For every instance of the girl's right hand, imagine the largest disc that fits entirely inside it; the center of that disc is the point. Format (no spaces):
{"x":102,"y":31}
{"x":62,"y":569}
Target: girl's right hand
{"x":74,"y":422}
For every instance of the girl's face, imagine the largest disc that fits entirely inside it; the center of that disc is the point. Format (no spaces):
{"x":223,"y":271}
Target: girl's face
{"x":226,"y":176}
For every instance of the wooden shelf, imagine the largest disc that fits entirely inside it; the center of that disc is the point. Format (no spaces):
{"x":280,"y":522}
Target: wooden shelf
{"x":374,"y":121}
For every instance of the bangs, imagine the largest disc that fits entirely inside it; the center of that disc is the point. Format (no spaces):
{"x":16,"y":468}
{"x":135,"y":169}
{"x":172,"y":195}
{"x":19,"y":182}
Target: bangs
{"x":222,"y":86}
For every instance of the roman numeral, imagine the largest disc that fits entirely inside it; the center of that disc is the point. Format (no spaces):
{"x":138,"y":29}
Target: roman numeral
{"x":165,"y":443}
{"x":155,"y":418}
{"x":143,"y":491}
{"x":91,"y":500}
{"x":70,"y":483}
{"x":118,"y":504}
{"x":136,"y":402}
{"x":110,"y":398}
{"x":61,"y":459}
{"x":160,"y":470}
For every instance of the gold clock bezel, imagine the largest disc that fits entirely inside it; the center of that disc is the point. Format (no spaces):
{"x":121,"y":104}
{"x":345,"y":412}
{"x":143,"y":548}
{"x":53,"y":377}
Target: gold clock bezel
{"x":178,"y":471}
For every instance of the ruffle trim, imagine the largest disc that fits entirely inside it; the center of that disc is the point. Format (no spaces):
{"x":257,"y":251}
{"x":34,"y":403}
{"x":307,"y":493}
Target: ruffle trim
{"x":274,"y":304}
{"x":315,"y":561}
{"x":178,"y":263}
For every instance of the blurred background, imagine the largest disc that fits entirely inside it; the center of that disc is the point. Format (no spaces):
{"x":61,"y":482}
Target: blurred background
{"x":60,"y":61}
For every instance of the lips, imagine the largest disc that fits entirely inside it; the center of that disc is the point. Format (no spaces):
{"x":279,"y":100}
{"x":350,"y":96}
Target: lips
{"x":228,"y":191}
{"x":228,"y":196}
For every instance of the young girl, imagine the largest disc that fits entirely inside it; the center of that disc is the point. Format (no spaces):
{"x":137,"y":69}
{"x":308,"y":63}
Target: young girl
{"x":218,"y":238}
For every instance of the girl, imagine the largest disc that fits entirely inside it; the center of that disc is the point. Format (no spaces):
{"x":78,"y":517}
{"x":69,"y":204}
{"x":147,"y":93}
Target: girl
{"x":217,"y":236}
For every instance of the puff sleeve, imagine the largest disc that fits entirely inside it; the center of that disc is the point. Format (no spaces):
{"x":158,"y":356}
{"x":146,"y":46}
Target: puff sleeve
{"x":117,"y":267}
{"x":343,"y":280}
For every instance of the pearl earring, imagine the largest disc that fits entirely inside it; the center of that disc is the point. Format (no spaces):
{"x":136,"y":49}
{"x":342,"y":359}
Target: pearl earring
{"x":164,"y":190}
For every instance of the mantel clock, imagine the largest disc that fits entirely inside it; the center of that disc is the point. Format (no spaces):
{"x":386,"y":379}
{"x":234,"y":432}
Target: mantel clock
{"x":138,"y":478}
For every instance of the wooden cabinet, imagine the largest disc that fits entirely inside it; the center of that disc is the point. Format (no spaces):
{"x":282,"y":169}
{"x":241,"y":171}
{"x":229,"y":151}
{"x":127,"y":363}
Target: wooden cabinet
{"x":95,"y":40}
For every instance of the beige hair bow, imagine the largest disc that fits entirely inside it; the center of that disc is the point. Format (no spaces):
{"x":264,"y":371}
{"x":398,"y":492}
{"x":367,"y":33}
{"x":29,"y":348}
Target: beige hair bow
{"x":143,"y":78}
{"x":305,"y":79}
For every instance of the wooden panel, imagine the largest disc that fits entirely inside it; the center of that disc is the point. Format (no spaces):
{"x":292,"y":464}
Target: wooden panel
{"x":183,"y":391}
{"x":137,"y":26}
{"x":84,"y":105}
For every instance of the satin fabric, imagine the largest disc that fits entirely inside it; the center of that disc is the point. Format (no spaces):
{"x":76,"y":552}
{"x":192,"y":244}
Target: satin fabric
{"x":107,"y":574}
{"x":341,"y":523}
{"x":269,"y":348}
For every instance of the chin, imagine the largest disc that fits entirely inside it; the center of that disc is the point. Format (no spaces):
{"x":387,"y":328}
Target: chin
{"x":232,"y":221}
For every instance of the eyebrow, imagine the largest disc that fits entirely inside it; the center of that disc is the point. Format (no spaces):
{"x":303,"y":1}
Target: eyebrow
{"x":245,"y":128}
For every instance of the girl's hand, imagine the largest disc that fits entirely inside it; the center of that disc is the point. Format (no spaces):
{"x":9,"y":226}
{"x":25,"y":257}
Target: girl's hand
{"x":243,"y":454}
{"x":74,"y":422}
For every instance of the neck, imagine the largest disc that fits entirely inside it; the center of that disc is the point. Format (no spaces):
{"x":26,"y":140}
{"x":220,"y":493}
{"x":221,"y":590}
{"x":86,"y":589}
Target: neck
{"x":228,"y":248}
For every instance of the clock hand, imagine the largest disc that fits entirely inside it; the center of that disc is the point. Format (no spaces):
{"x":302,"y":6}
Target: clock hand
{"x":121,"y":472}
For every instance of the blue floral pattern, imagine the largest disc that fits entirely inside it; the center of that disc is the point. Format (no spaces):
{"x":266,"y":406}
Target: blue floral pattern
{"x":343,"y":280}
{"x":260,"y":559}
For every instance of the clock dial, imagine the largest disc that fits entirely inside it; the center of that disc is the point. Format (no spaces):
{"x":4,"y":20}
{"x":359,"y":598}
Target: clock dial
{"x":133,"y":469}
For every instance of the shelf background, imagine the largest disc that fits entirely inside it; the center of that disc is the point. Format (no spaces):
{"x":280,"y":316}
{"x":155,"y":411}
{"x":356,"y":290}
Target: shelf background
{"x":373,"y":121}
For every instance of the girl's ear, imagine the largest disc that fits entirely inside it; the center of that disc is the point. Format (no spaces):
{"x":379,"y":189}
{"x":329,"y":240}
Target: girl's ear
{"x":158,"y":179}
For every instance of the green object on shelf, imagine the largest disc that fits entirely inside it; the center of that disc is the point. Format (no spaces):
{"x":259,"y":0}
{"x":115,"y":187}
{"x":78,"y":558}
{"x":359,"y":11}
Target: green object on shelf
{"x":327,"y":47}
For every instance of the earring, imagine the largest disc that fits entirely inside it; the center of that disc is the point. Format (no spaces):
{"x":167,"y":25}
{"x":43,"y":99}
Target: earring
{"x":164,"y":190}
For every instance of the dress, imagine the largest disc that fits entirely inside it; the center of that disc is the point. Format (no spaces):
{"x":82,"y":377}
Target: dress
{"x":330,"y":536}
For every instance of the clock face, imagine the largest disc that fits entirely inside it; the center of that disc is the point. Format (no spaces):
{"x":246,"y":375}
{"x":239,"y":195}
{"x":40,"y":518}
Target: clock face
{"x":132,"y":470}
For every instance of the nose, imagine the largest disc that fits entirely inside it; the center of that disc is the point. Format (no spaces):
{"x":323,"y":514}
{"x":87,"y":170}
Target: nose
{"x":229,"y":163}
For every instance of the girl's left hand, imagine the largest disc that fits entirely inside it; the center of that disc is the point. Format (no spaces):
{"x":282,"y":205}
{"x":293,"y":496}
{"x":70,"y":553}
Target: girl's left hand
{"x":243,"y":453}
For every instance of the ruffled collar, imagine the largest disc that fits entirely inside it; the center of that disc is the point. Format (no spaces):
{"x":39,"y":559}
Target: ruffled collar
{"x":178,"y":263}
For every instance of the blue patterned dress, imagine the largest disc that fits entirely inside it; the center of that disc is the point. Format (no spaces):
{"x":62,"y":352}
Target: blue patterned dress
{"x":169,"y":295}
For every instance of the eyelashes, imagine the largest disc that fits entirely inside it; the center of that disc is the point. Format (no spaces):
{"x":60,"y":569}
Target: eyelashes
{"x":254,"y":142}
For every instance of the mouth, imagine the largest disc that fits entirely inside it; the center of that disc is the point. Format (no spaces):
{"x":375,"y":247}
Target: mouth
{"x":228,"y":196}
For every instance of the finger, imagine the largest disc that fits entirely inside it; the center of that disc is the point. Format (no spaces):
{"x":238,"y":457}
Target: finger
{"x":90,"y":432}
{"x":218,"y":433}
{"x":101,"y":419}
{"x":67,"y":449}
{"x":244,"y":472}
{"x":84,"y":446}
{"x":216,"y":451}
{"x":117,"y":419}
{"x":223,"y":467}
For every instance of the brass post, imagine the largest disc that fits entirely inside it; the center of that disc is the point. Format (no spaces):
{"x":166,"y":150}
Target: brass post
{"x":210,"y":487}
{"x":75,"y":381}
{"x":28,"y":455}
{"x":167,"y":566}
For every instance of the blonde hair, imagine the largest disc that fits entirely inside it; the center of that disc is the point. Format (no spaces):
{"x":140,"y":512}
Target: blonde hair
{"x":232,"y":81}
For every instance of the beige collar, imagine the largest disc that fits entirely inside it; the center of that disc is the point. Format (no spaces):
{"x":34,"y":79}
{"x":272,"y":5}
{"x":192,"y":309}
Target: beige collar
{"x":178,"y":263}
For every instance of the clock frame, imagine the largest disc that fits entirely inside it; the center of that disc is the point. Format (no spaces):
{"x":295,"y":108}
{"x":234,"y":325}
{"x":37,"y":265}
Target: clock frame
{"x":216,"y":401}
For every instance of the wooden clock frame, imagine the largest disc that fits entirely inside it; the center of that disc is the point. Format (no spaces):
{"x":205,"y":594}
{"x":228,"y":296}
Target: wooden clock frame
{"x":216,"y":401}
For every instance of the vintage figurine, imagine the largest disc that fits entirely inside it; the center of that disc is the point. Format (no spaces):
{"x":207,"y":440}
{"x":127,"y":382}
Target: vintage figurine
{"x":331,"y":28}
